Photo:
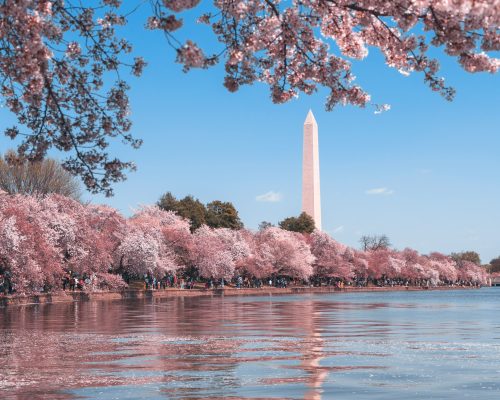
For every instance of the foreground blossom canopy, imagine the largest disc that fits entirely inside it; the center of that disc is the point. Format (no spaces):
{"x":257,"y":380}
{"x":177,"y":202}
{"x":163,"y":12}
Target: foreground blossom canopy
{"x":62,"y":62}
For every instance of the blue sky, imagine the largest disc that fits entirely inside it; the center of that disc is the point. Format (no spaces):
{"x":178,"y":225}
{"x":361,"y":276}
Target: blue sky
{"x":426,"y":173}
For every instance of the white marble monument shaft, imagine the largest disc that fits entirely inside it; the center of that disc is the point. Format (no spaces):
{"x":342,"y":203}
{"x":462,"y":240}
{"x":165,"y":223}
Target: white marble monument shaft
{"x":311,"y":203}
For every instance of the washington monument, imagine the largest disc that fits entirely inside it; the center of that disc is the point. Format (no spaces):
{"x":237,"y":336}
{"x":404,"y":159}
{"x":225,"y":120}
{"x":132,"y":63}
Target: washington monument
{"x":311,"y":203}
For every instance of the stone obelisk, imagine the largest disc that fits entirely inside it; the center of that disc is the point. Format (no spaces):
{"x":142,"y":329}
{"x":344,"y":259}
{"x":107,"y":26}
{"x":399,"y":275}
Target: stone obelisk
{"x":311,"y":203}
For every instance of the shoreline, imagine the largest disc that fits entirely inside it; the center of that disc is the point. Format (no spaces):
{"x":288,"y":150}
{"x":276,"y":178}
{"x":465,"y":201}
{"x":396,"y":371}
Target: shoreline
{"x":79,"y":296}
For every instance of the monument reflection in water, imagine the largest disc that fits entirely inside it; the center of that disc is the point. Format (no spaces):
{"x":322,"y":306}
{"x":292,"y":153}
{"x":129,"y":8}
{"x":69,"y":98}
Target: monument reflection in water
{"x":415,"y":345}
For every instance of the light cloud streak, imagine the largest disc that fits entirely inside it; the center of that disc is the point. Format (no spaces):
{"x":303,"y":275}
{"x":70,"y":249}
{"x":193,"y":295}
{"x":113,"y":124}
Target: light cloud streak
{"x":339,"y":229}
{"x":383,"y":191}
{"x":269,"y":197}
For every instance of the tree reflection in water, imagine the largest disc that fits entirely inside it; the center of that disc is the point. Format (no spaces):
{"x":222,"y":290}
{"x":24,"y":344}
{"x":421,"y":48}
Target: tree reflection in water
{"x":300,"y":347}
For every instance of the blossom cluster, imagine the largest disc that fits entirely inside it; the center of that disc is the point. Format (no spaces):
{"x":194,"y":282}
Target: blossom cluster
{"x":43,"y":239}
{"x":62,"y":61}
{"x":298,"y":46}
{"x":60,"y":67}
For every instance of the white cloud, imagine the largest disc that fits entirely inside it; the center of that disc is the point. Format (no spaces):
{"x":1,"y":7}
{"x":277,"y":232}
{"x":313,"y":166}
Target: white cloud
{"x":270,"y":197}
{"x":339,"y":229}
{"x":380,"y":191}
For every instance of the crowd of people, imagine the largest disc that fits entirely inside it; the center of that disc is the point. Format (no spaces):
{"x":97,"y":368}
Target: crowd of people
{"x":74,"y":282}
{"x":5,"y":284}
{"x":173,"y":281}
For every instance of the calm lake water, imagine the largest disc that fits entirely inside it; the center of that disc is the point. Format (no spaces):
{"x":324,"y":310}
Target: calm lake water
{"x":392,"y":345}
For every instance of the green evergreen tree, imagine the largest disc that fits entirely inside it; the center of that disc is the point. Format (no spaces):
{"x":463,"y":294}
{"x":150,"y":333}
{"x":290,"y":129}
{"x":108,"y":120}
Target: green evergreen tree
{"x":303,"y":223}
{"x":188,"y":207}
{"x":222,"y":215}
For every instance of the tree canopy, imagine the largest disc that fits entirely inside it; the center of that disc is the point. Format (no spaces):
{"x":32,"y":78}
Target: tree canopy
{"x":190,"y":208}
{"x":374,"y":242}
{"x":63,"y":63}
{"x":222,"y":214}
{"x":470,"y":256}
{"x":495,"y":265}
{"x":37,"y":177}
{"x":216,"y":214}
{"x":45,"y":238}
{"x":264,"y":225}
{"x":303,"y":223}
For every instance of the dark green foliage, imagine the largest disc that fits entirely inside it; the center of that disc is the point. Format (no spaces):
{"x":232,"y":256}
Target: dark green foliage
{"x":303,"y":223}
{"x":471,"y":256}
{"x":495,"y":265}
{"x":216,"y":214}
{"x":188,"y":207}
{"x":168,"y":202}
{"x":194,"y":210}
{"x":222,"y":215}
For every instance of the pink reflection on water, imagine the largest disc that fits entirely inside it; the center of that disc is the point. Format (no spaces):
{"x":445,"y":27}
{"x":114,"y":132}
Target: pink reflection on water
{"x":189,"y":347}
{"x":53,"y":349}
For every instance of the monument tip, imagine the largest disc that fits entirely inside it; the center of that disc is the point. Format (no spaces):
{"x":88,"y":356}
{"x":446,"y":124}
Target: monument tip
{"x":310,"y":118}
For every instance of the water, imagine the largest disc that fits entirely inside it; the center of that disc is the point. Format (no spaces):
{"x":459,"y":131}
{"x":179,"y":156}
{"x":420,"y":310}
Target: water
{"x":393,"y":345}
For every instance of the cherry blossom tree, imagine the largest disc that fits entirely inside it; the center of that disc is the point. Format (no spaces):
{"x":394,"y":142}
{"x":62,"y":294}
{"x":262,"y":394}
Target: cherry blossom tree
{"x":218,"y":251}
{"x":28,"y":249}
{"x":281,"y":252}
{"x":411,"y":266}
{"x":172,"y":229}
{"x":412,"y":269}
{"x":44,"y":237}
{"x":141,"y":253}
{"x":445,"y":267}
{"x":149,"y":246}
{"x":58,"y":61}
{"x":470,"y":272}
{"x":252,"y":264}
{"x":62,"y":61}
{"x":55,"y":235}
{"x":333,"y":259}
{"x":385,"y":263}
{"x":87,"y":236}
{"x":288,"y":45}
{"x":360,"y":263}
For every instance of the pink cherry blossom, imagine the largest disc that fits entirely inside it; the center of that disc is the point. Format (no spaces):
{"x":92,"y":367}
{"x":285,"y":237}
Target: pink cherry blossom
{"x":55,"y":60}
{"x":154,"y":243}
{"x":217,"y":251}
{"x":43,"y":238}
{"x":333,"y":259}
{"x":27,"y":245}
{"x":280,"y":252}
